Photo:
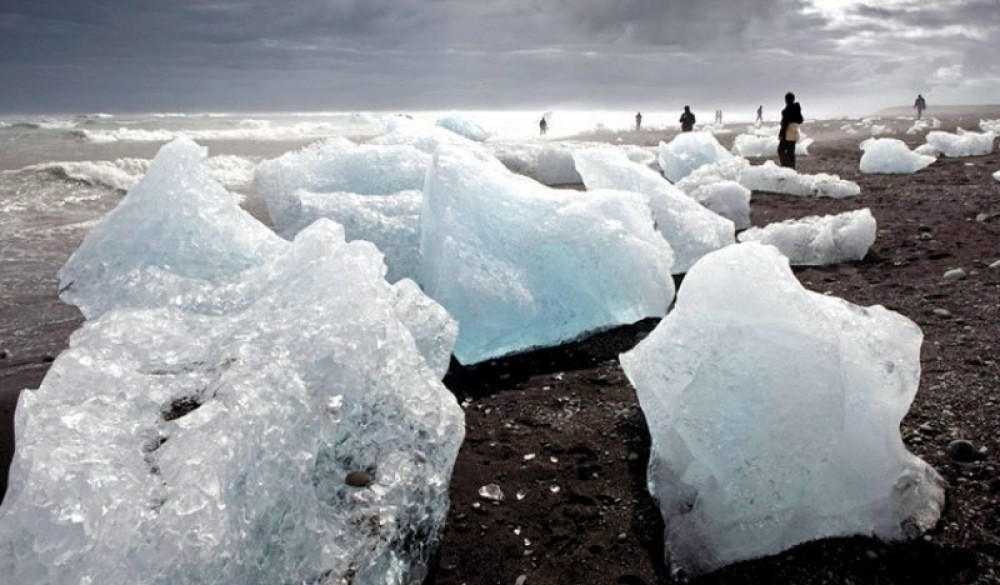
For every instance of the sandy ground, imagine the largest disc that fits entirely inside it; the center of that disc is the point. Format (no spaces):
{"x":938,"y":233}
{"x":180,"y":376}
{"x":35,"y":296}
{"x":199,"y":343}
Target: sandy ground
{"x":561,"y":432}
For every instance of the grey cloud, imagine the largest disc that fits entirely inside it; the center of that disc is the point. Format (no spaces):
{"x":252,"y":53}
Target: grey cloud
{"x":372,"y":54}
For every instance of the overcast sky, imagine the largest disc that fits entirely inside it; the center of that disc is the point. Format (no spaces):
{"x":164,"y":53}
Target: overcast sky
{"x":839,"y":56}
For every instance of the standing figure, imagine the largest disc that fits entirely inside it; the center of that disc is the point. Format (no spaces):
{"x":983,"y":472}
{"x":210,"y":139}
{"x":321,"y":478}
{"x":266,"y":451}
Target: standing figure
{"x":687,"y":120}
{"x":788,"y":134}
{"x":638,"y":121}
{"x":718,"y":116}
{"x":543,"y":126}
{"x":760,"y":114}
{"x":920,"y":105}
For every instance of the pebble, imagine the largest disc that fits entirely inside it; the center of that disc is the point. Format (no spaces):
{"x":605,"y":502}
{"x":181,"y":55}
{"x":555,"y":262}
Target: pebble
{"x":982,"y":217}
{"x":491,"y":492}
{"x":358,"y":479}
{"x":521,"y":580}
{"x":995,"y":264}
{"x":962,"y":451}
{"x":4,"y":354}
{"x":926,"y":236}
{"x":942,"y":312}
{"x":955,"y":274}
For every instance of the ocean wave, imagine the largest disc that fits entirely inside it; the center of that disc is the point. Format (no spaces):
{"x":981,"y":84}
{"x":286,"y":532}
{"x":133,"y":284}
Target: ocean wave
{"x":254,"y":130}
{"x":121,"y":174}
{"x":233,"y":172}
{"x":47,"y":124}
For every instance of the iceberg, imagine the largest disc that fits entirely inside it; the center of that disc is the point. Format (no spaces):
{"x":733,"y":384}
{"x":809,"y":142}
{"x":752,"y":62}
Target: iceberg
{"x":691,"y":230}
{"x":463,"y":127}
{"x":175,"y":237}
{"x":774,"y":414}
{"x":891,"y":156}
{"x":728,"y":199}
{"x":771,"y":178}
{"x":391,"y":222}
{"x":522,"y":266}
{"x":335,"y":166}
{"x":300,"y":439}
{"x":961,"y":143}
{"x":990,"y":126}
{"x":425,"y":137}
{"x":178,"y":239}
{"x":819,"y":240}
{"x":688,"y":151}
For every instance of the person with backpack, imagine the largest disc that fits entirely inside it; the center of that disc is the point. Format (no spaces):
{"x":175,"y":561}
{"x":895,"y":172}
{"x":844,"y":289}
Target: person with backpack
{"x":788,"y":134}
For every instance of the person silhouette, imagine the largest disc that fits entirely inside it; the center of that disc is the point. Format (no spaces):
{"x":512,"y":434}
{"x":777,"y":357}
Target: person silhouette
{"x":638,"y":121}
{"x":543,"y":126}
{"x":687,"y":120}
{"x":760,"y":114}
{"x":920,"y":104}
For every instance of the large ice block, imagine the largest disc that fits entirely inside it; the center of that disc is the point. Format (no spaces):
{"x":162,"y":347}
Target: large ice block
{"x":892,"y":157}
{"x":819,"y":240}
{"x":174,"y":238}
{"x":688,"y":151}
{"x":691,"y":229}
{"x":774,"y":415}
{"x":521,"y":266}
{"x":301,"y":439}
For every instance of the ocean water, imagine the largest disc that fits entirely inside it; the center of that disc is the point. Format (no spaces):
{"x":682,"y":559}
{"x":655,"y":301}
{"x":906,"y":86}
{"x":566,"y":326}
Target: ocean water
{"x":60,"y":174}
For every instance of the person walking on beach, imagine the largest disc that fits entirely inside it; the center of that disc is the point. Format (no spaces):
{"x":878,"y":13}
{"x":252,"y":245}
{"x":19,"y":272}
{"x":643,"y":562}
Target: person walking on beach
{"x":687,"y":120}
{"x":543,"y":126}
{"x":760,"y":114}
{"x":638,"y":121}
{"x":920,"y":105}
{"x":718,"y":116}
{"x":788,"y":134}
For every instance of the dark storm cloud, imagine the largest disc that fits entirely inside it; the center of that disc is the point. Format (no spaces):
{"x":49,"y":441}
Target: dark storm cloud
{"x":374,"y":54}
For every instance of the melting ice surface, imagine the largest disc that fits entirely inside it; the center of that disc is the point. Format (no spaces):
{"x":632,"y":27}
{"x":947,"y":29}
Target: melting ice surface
{"x":961,"y":143}
{"x":691,"y":229}
{"x":211,"y":439}
{"x":520,"y":265}
{"x":786,"y":181}
{"x":891,"y":156}
{"x":688,"y":151}
{"x":774,"y":414}
{"x":178,"y":234}
{"x":819,"y":240}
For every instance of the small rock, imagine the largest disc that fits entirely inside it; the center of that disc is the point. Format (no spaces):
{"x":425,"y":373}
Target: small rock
{"x":962,"y":451}
{"x":632,"y":456}
{"x":521,"y":580}
{"x":995,"y":264}
{"x":926,"y":236}
{"x":942,"y":312}
{"x":4,"y":354}
{"x":955,"y":274}
{"x":358,"y":479}
{"x":982,"y":217}
{"x":491,"y":492}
